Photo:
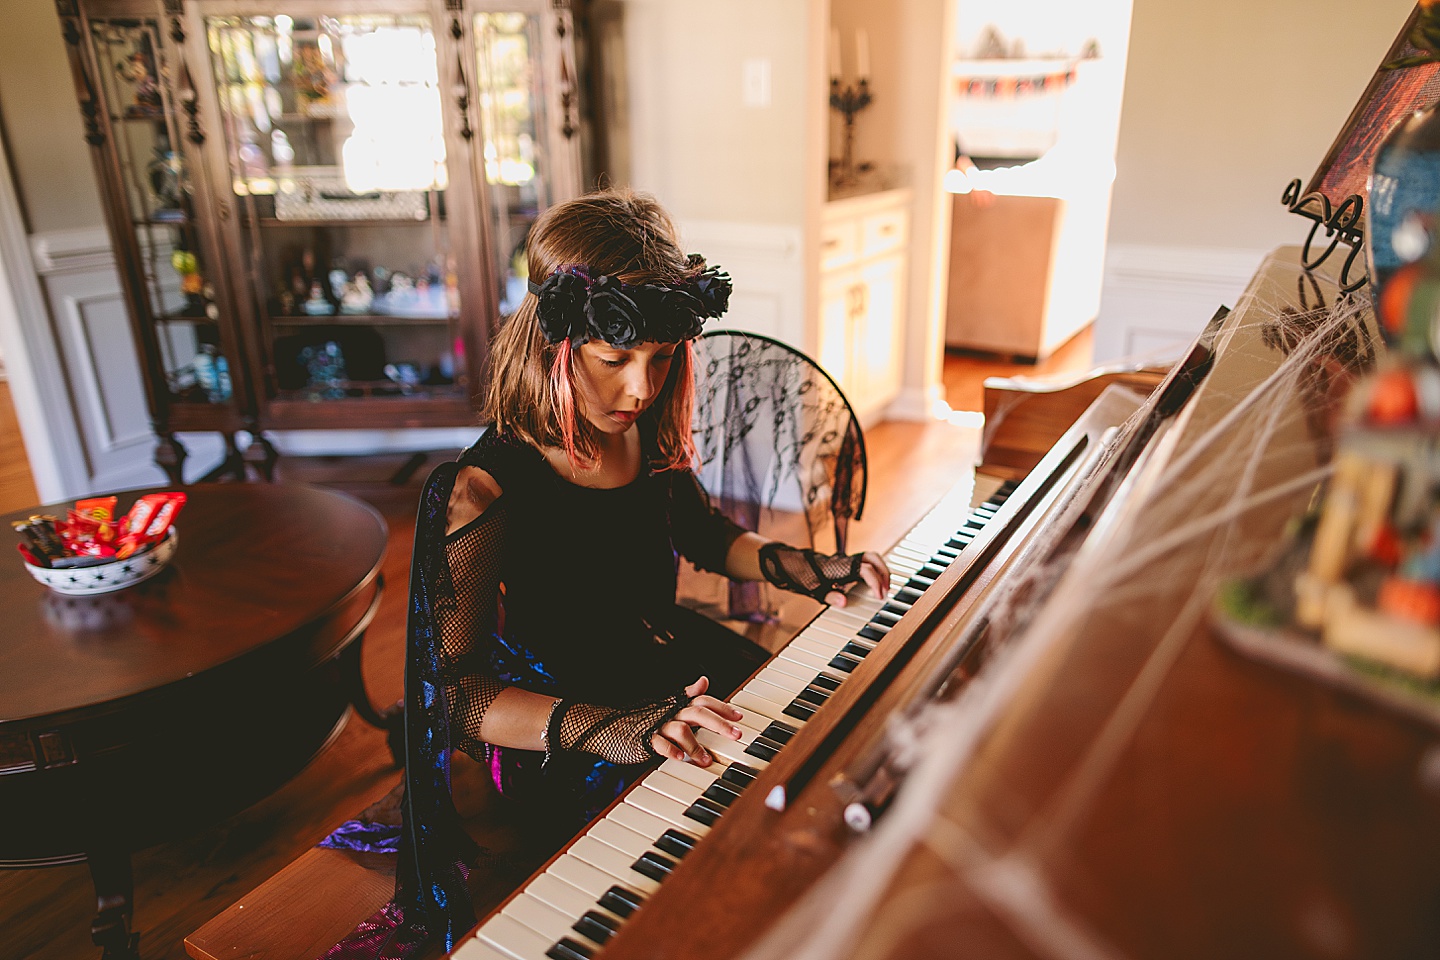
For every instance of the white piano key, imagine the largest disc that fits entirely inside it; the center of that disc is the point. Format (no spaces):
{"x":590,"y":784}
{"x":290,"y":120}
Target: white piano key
{"x":583,"y":876}
{"x":749,"y":721}
{"x":732,"y":751}
{"x":793,"y":669}
{"x":768,"y":691}
{"x":571,"y":901}
{"x":606,"y":858}
{"x":907,"y":551}
{"x":757,"y":706}
{"x":673,"y":787}
{"x":514,"y":939}
{"x":666,"y":808}
{"x":545,"y":920}
{"x":625,"y":840}
{"x":837,"y":615}
{"x":777,"y":677}
{"x":819,"y":646}
{"x":634,"y":818}
{"x":902,"y":565}
{"x":477,"y":949}
{"x":701,"y":777}
{"x":811,"y":660}
{"x":828,"y":633}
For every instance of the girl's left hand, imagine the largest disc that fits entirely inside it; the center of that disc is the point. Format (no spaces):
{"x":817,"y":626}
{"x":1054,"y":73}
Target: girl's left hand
{"x":873,"y":572}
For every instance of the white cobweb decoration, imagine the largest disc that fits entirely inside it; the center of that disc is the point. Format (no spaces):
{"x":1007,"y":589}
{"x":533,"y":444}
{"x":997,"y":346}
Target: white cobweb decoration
{"x":1211,"y":499}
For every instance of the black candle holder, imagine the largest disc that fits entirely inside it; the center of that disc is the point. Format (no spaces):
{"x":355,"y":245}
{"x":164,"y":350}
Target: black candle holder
{"x":849,"y":101}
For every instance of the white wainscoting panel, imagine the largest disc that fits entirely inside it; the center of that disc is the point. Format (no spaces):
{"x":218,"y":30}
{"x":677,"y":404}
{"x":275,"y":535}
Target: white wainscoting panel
{"x":765,"y":262}
{"x":1156,"y":299}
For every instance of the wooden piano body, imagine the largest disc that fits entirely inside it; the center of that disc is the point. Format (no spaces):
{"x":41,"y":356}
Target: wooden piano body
{"x":1090,"y":773}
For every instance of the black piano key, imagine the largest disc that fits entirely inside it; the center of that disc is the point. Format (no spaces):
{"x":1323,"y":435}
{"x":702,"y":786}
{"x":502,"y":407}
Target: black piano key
{"x":853,"y":649}
{"x":930,"y":570}
{"x":813,"y":695}
{"x":653,"y":865}
{"x":721,"y":793}
{"x":908,"y":594}
{"x":946,"y":554}
{"x":621,"y":901}
{"x":740,"y":775}
{"x":896,"y":609}
{"x":884,"y":618}
{"x":871,"y":632}
{"x":918,"y":584}
{"x":676,"y":843}
{"x":701,"y":812}
{"x":842,"y":663}
{"x":800,"y":711}
{"x":821,"y":680}
{"x":596,"y":925}
{"x":779,"y":733}
{"x":568,"y":949}
{"x":762,"y":750}
{"x":958,"y":543}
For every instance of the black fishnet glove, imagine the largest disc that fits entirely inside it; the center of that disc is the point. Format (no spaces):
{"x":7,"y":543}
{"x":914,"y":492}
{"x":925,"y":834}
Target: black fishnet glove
{"x":617,"y":735}
{"x":805,"y":571}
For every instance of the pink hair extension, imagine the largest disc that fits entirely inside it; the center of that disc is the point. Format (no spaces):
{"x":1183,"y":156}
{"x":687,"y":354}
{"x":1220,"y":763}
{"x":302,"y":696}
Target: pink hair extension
{"x":683,"y":403}
{"x":563,"y":388}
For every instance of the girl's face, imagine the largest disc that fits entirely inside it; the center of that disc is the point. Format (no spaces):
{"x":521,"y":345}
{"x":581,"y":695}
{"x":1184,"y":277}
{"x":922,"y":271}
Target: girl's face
{"x":615,"y":386}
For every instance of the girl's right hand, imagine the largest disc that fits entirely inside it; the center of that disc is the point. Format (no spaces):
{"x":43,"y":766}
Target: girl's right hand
{"x":676,"y":739}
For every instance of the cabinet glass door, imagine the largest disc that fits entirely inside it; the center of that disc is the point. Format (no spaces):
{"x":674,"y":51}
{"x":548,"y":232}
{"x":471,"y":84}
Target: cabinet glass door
{"x":168,"y":274}
{"x":519,"y":173}
{"x":336,"y":157}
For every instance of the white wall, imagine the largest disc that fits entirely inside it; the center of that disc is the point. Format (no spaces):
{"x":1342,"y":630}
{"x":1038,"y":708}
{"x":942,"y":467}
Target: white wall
{"x":1225,"y":102}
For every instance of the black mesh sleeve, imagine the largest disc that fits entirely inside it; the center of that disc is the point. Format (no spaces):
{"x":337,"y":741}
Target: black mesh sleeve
{"x":617,"y":735}
{"x":467,"y":608}
{"x":700,"y":532}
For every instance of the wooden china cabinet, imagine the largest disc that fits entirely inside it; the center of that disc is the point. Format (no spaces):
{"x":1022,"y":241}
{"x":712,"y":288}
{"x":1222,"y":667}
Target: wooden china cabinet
{"x":318,"y":207}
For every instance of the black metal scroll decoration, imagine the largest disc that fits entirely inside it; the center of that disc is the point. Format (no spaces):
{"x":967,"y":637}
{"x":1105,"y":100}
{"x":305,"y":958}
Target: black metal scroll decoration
{"x":1343,"y":224}
{"x":462,"y":92}
{"x":567,"y":83}
{"x":89,"y":101}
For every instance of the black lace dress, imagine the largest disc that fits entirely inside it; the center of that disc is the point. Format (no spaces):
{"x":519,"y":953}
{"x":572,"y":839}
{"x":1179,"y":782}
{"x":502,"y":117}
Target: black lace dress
{"x":570,"y":591}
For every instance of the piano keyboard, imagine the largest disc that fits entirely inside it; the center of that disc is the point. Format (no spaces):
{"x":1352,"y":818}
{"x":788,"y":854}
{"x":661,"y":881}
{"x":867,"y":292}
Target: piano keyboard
{"x":575,"y":906}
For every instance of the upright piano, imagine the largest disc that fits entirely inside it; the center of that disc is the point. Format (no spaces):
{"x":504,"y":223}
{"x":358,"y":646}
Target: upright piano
{"x":1035,"y":746}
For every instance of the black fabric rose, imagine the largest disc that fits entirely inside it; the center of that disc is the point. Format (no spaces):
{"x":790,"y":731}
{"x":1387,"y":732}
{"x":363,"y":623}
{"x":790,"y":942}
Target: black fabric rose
{"x":561,"y":311}
{"x":712,"y":289}
{"x":613,"y":316}
{"x":671,"y":314}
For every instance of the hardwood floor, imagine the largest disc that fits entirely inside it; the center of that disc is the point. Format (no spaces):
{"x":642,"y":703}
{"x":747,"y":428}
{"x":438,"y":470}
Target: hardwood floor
{"x":17,"y":489}
{"x":45,"y":914}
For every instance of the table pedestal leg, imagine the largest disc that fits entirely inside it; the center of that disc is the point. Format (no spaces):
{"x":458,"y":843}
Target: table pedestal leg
{"x":115,"y":906}
{"x":391,"y":719}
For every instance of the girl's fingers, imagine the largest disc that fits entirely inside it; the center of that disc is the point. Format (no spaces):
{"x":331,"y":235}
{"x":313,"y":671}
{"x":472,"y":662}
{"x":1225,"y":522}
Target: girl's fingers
{"x":719,"y":706}
{"x":697,"y":688}
{"x":680,"y":735}
{"x":666,"y":749}
{"x":835,"y":598}
{"x":710,"y":720}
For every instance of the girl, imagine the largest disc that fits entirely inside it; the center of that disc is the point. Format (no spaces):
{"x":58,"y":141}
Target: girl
{"x":544,"y":637}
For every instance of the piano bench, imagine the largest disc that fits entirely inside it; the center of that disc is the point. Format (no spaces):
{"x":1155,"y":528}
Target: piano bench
{"x":301,"y":911}
{"x":307,"y":907}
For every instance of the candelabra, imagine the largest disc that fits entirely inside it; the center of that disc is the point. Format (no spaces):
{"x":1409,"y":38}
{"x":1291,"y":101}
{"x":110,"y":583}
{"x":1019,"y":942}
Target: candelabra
{"x":849,"y":101}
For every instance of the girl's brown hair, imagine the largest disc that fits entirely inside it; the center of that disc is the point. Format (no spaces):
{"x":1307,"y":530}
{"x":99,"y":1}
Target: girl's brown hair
{"x":618,"y":233}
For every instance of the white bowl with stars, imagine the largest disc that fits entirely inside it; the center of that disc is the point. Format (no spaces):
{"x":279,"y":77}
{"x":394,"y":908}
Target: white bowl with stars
{"x":109,"y":576}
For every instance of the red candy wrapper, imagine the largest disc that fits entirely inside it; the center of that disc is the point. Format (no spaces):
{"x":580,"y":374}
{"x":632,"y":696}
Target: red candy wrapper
{"x":148,"y":521}
{"x":96,"y":508}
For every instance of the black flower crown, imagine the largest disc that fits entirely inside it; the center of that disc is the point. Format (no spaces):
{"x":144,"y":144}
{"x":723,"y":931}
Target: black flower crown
{"x":576,"y":308}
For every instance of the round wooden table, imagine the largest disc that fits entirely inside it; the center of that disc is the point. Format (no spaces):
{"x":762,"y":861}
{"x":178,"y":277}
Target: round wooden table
{"x":139,"y":716}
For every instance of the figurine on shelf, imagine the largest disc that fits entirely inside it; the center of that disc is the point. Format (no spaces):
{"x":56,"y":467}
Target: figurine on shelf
{"x":318,"y":305}
{"x":358,"y":297}
{"x":138,"y":70}
{"x":164,"y":173}
{"x":325,"y":366}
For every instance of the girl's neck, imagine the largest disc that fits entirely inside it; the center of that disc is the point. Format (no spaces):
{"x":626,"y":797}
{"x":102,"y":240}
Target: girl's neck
{"x":618,"y":462}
